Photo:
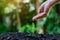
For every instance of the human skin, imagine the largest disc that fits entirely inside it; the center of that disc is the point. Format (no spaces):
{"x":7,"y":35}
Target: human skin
{"x":44,"y":9}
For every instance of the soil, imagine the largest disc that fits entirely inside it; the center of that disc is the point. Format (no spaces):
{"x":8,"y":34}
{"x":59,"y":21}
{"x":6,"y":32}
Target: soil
{"x":28,"y":36}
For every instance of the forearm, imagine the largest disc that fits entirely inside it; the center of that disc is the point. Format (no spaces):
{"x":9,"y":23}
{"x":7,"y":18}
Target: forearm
{"x":49,"y":4}
{"x":55,"y":0}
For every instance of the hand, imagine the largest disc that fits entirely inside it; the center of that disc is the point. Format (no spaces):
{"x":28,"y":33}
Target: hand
{"x":40,"y":12}
{"x":44,"y":9}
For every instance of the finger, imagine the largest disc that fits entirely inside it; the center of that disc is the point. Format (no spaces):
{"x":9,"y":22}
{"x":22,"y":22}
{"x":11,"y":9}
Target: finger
{"x":41,"y":8}
{"x":39,"y":16}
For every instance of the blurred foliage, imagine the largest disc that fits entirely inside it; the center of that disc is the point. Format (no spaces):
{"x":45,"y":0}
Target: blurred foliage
{"x":53,"y":21}
{"x":28,"y":28}
{"x":26,"y":10}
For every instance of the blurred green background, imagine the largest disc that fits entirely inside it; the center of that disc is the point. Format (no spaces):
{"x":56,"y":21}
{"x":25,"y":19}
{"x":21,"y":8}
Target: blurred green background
{"x":16,"y":16}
